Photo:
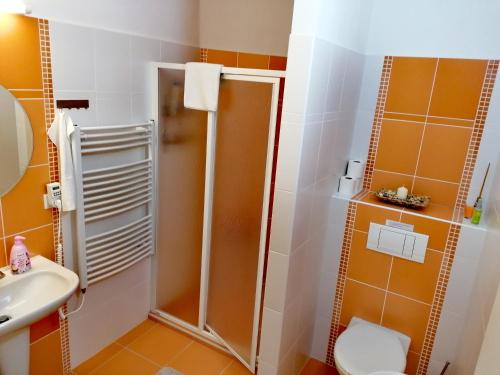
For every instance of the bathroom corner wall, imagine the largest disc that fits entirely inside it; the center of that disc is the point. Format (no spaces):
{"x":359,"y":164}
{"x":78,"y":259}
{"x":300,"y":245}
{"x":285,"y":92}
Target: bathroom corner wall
{"x":481,"y":315}
{"x":25,"y":71}
{"x":109,"y":69}
{"x":321,"y":96}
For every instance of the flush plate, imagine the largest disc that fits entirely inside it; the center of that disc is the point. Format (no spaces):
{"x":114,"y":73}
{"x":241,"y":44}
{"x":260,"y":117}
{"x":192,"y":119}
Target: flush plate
{"x":397,"y":242}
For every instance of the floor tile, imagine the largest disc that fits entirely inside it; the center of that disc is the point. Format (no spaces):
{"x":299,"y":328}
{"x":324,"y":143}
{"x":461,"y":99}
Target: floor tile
{"x":315,"y":367}
{"x":160,"y":344}
{"x":200,"y":359}
{"x":236,"y":368}
{"x":127,"y":363}
{"x":136,"y":332}
{"x":94,"y":362}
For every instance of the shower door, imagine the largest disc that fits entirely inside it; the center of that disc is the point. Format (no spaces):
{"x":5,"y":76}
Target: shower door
{"x":214,"y":179}
{"x":242,"y":177}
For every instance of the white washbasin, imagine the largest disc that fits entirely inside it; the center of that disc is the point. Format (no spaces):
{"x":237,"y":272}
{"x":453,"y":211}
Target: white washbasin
{"x":30,"y":296}
{"x":27,"y":298}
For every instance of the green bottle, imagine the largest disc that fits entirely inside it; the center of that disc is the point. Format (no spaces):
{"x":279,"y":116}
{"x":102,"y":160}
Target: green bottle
{"x":478,"y":210}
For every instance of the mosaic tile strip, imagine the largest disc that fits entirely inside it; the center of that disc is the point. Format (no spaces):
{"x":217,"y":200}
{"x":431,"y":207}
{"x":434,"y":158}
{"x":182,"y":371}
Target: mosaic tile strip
{"x":475,"y":141}
{"x":48,"y":99}
{"x":377,"y":121}
{"x":203,"y":55}
{"x":340,"y":286}
{"x":439,"y":295}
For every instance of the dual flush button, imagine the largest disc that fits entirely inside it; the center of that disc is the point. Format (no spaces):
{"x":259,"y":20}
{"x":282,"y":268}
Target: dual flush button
{"x":397,"y":239}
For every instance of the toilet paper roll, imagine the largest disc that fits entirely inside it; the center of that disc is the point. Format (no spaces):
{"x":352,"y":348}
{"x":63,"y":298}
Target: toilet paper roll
{"x":348,"y":185}
{"x":355,"y":168}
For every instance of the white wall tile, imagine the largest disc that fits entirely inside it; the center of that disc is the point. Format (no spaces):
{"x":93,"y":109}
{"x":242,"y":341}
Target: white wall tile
{"x":321,"y":335}
{"x":113,"y":62}
{"x":270,"y":343}
{"x":488,"y":153}
{"x":447,"y":337}
{"x":178,"y":53}
{"x":112,"y":307}
{"x":110,"y":70}
{"x":140,"y":107}
{"x":298,"y":74}
{"x":319,"y":74}
{"x":283,"y":218}
{"x":113,"y":108}
{"x":302,"y":220}
{"x":309,"y":155}
{"x":276,"y":281}
{"x":291,"y":330}
{"x":142,"y":51}
{"x":267,"y":369}
{"x":463,"y":273}
{"x":81,"y":117}
{"x":73,"y":57}
{"x":289,"y":154}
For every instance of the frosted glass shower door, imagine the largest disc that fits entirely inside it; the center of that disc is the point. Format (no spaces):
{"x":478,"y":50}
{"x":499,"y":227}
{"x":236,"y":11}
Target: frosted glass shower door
{"x":182,"y":139}
{"x":242,"y":176}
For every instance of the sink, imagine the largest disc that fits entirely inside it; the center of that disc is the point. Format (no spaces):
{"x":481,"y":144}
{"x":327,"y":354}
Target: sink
{"x":25,"y":299}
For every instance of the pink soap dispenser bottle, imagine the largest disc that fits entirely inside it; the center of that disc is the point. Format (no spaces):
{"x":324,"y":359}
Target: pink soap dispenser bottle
{"x":19,"y":256}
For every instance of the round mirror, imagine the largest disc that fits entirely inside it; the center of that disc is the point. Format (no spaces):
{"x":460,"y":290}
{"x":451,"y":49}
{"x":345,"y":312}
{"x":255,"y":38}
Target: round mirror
{"x":16,"y":141}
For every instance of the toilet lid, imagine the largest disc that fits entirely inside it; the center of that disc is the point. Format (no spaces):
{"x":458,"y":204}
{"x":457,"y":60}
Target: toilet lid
{"x":363,"y":349}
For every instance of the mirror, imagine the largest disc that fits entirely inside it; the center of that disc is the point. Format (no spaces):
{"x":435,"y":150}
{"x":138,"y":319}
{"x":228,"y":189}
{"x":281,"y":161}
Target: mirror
{"x":16,"y":141}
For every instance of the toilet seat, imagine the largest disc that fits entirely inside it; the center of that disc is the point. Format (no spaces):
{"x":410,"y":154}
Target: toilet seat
{"x":363,"y":349}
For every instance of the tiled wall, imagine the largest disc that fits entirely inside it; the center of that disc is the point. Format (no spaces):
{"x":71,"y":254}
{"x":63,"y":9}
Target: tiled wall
{"x":480,"y":306}
{"x":306,"y":173}
{"x":386,"y":290}
{"x":25,"y":71}
{"x":423,"y":102}
{"x":428,"y":124}
{"x":243,"y":59}
{"x":109,"y":69}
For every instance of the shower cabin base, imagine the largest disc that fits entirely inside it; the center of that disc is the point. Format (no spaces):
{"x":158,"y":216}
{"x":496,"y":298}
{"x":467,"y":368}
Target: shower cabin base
{"x":214,"y":174}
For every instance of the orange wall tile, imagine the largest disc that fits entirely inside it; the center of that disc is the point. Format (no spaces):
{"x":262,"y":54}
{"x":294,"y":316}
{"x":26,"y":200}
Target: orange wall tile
{"x":387,"y":290}
{"x":226,"y":58}
{"x":443,"y":160}
{"x":410,"y":85}
{"x":252,"y":60}
{"x":20,"y":65}
{"x":399,"y":146}
{"x":416,"y":280}
{"x":428,"y":120}
{"x":367,"y":266}
{"x":457,"y":88}
{"x":45,"y":355}
{"x":22,"y":208}
{"x":243,"y":59}
{"x":363,"y":301}
{"x":436,"y":230}
{"x":367,"y":214}
{"x":408,"y":317}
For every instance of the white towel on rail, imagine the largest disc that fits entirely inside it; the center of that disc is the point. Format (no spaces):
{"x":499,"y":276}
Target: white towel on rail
{"x":60,"y":134}
{"x":201,"y":86}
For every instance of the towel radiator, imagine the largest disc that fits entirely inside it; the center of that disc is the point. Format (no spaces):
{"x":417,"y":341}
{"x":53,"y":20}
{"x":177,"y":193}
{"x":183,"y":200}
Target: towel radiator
{"x":114,"y":170}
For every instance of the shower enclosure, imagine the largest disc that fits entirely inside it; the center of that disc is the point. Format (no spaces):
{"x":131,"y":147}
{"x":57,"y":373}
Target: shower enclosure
{"x":213,"y":174}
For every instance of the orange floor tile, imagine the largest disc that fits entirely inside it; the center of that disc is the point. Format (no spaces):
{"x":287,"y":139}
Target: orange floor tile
{"x":151,"y":346}
{"x":315,"y":367}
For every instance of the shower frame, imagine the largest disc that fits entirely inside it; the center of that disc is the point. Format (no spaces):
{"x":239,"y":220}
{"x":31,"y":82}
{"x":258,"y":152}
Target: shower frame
{"x":200,"y":330}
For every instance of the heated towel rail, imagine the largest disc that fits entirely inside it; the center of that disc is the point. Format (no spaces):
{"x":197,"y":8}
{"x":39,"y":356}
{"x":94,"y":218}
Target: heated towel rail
{"x":115,"y":185}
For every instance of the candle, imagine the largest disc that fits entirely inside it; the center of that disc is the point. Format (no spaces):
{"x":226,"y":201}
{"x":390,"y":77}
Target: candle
{"x":402,"y":192}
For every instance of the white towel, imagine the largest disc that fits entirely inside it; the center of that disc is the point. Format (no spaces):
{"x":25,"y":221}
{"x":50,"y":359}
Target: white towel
{"x":201,"y":86}
{"x":60,"y":134}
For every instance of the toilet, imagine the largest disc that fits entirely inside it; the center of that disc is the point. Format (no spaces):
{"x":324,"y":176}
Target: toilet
{"x":365,"y":348}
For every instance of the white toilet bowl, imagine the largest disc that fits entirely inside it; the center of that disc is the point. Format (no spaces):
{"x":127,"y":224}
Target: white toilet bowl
{"x":365,"y":348}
